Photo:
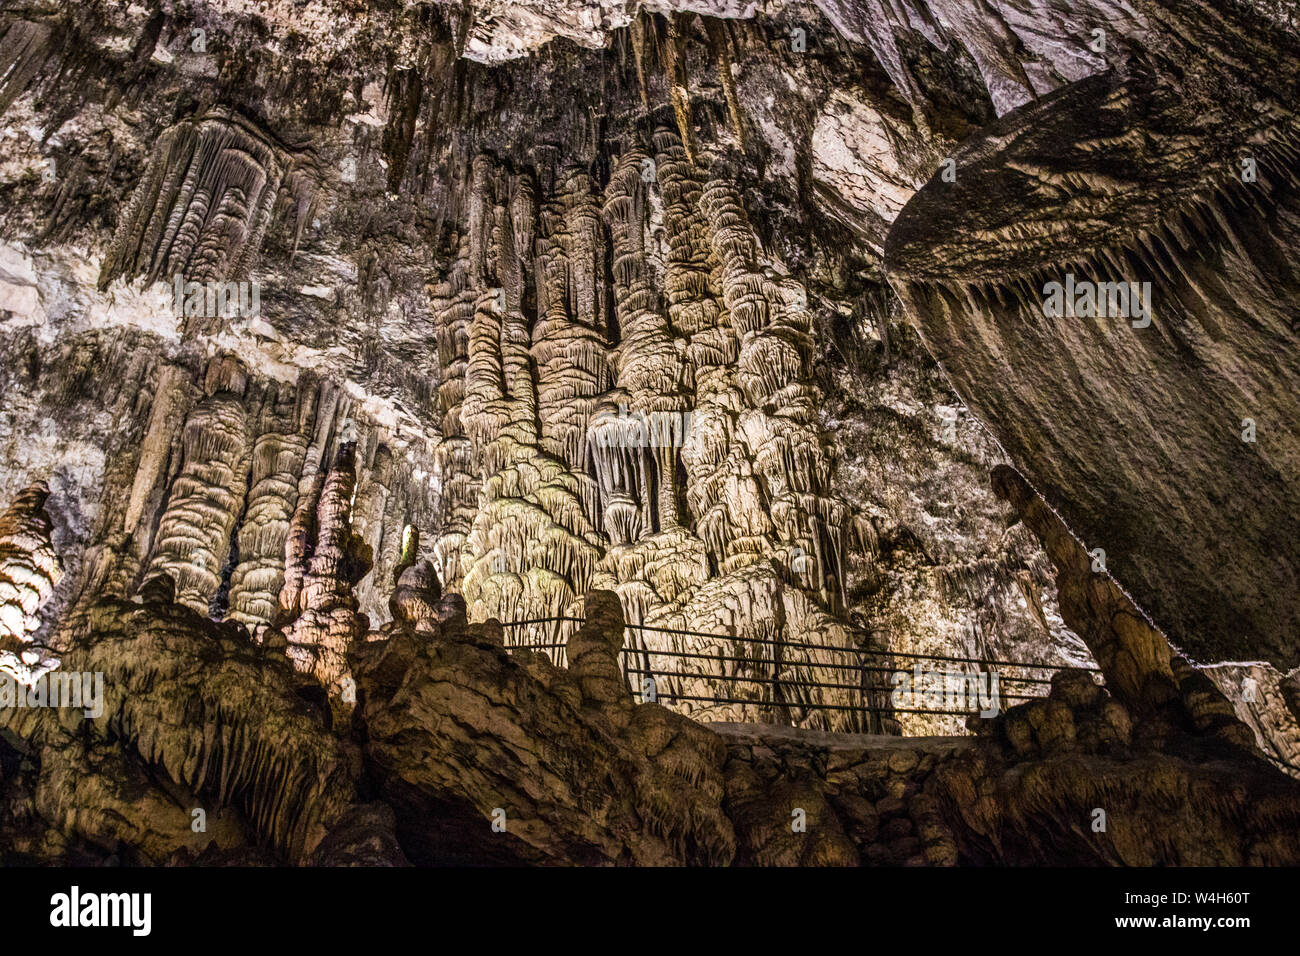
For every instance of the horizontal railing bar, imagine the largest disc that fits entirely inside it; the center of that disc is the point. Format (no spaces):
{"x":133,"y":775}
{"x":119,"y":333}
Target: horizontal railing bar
{"x":794,"y":683}
{"x":849,"y":707}
{"x":856,"y":668}
{"x":862,"y":651}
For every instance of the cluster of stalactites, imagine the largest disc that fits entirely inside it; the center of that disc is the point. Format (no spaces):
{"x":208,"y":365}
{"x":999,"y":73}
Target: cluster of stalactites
{"x":453,"y":306}
{"x":323,"y":560}
{"x":29,"y":570}
{"x":207,"y":495}
{"x":526,"y":547}
{"x":711,"y":376}
{"x":638,"y":432}
{"x":278,"y":459}
{"x":204,"y":203}
{"x":758,"y":463}
{"x":22,"y":53}
{"x":570,"y":346}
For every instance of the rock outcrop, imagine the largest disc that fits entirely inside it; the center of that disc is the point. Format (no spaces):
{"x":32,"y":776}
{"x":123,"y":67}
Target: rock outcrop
{"x":1149,"y":409}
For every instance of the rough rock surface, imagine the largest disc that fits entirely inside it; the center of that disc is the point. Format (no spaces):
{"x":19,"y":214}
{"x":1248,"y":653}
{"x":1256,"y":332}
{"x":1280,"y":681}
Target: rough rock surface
{"x":1158,"y":431}
{"x":565,"y":309}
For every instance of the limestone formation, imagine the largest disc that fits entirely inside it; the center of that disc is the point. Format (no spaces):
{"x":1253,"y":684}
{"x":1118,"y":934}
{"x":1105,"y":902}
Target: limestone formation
{"x":29,"y":570}
{"x":571,"y":768}
{"x":202,"y":209}
{"x":207,"y":496}
{"x":1088,"y":398}
{"x":614,"y":426}
{"x":1141,"y":669}
{"x":323,"y":560}
{"x":23,"y":49}
{"x":182,"y":696}
{"x":277,"y":459}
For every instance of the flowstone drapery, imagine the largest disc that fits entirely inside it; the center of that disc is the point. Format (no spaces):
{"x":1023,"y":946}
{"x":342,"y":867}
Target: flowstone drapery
{"x":654,"y":433}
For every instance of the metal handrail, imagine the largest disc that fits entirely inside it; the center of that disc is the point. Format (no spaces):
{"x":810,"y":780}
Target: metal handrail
{"x":633,"y":668}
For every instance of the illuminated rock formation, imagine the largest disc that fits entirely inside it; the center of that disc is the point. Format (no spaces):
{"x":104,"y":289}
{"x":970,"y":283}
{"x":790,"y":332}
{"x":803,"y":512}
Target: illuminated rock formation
{"x":692,"y":465}
{"x":453,"y":303}
{"x":580,"y":410}
{"x":278,"y":457}
{"x":530,"y":550}
{"x":206,"y":498}
{"x":323,"y":560}
{"x":29,"y":570}
{"x":202,"y":208}
{"x":1149,"y":420}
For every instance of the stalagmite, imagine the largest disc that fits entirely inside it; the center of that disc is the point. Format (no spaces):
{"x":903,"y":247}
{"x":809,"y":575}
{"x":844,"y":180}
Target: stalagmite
{"x":640,"y":454}
{"x":530,"y":549}
{"x":453,"y":304}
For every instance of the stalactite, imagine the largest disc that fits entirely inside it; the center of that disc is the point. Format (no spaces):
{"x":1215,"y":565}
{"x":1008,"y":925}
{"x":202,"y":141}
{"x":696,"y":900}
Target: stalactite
{"x":784,"y":445}
{"x":570,"y":352}
{"x":278,"y":455}
{"x":375,"y":486}
{"x":22,"y":54}
{"x":714,"y":374}
{"x":320,"y":609}
{"x":207,"y":496}
{"x":678,"y":82}
{"x":649,"y":366}
{"x":530,"y":549}
{"x":1175,"y":301}
{"x":116,"y":566}
{"x":203,"y":203}
{"x":638,"y":29}
{"x":719,"y":46}
{"x":453,"y":305}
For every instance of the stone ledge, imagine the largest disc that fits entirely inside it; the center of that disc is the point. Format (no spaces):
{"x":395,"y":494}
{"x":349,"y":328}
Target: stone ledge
{"x":774,"y":733}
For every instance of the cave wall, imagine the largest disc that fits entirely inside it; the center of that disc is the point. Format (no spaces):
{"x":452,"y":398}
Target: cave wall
{"x":498,"y":281}
{"x":1161,"y":431}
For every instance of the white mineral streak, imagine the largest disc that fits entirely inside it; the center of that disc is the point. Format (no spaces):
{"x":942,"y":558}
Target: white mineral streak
{"x":508,"y":29}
